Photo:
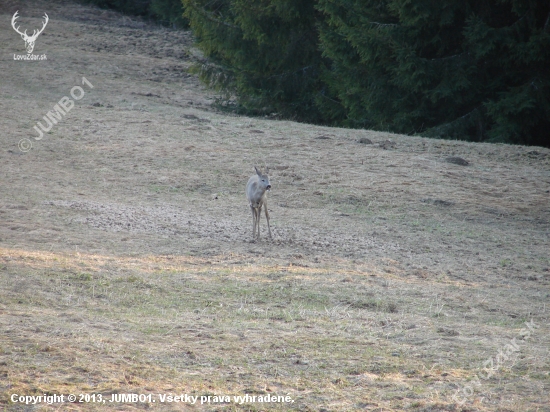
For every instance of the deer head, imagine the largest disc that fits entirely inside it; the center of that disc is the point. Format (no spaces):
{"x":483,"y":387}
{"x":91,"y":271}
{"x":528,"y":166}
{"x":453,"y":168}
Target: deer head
{"x":29,"y":40}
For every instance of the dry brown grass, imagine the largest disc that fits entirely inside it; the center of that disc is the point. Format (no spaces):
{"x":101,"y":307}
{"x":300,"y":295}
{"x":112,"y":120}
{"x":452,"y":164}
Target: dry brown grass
{"x":126,"y":263}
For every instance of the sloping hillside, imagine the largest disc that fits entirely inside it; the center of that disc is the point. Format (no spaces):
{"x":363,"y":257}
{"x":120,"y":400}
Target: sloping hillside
{"x":126,"y":261}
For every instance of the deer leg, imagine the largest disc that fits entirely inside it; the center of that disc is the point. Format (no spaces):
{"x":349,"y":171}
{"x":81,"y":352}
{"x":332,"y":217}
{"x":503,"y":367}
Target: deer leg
{"x":257,"y":233}
{"x":259,"y":212}
{"x":253,"y":222}
{"x":267,"y":217}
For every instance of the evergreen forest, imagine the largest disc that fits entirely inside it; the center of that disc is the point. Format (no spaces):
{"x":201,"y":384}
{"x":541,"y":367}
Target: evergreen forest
{"x":470,"y":70}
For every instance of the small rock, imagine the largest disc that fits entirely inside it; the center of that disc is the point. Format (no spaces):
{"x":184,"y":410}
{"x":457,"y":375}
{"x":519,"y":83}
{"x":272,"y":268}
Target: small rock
{"x":438,"y":202}
{"x":388,"y":144}
{"x":364,"y":140}
{"x":457,"y":161}
{"x":448,"y":332}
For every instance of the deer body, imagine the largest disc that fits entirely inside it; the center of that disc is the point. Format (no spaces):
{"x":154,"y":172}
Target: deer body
{"x":256,"y":193}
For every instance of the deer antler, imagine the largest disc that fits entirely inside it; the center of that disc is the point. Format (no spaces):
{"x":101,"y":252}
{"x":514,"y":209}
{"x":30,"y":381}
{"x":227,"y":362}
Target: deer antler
{"x":15,"y":16}
{"x":46,"y":20}
{"x":35,"y":32}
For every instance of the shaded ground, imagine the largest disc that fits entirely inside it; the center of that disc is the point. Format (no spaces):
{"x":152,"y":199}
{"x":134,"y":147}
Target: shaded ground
{"x":126,"y":262}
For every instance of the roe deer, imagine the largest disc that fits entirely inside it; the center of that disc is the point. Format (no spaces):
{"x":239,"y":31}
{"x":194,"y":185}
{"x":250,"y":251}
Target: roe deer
{"x":257,"y":197}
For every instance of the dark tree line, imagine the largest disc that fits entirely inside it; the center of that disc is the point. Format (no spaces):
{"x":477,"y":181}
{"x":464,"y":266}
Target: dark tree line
{"x":467,"y":69}
{"x":167,"y":12}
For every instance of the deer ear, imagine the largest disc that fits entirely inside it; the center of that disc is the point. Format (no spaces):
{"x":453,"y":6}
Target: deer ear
{"x":267,"y":170}
{"x":257,"y":171}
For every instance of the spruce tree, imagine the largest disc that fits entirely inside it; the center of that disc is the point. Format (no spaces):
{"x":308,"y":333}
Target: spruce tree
{"x":474,"y":69}
{"x":135,"y":7}
{"x":464,"y":69}
{"x":265,"y":52}
{"x":169,"y":12}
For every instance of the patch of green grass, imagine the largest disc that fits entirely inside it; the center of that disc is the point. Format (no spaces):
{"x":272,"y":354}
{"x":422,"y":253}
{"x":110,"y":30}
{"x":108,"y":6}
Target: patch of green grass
{"x":294,"y":332}
{"x":156,"y":188}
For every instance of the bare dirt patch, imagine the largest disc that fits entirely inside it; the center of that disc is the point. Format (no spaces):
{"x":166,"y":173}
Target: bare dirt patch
{"x":126,"y":261}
